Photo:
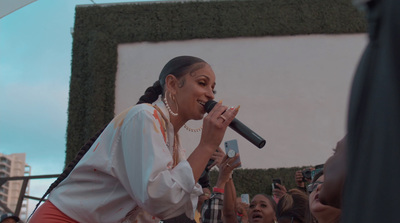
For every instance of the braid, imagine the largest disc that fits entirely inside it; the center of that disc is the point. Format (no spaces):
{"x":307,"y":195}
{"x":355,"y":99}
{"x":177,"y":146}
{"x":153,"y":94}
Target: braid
{"x":151,"y":93}
{"x":70,"y":167}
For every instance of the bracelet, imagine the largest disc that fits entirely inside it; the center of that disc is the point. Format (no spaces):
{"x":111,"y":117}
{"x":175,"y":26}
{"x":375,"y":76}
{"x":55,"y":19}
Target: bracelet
{"x":218,"y":190}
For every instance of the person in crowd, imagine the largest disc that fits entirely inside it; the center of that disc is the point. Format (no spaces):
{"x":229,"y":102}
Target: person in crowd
{"x":136,"y":170}
{"x":9,"y":218}
{"x":206,"y":196}
{"x":318,"y":212}
{"x":211,"y":210}
{"x":209,"y":205}
{"x":242,"y":210}
{"x":292,"y":207}
{"x":222,"y":205}
{"x":204,"y":181}
{"x":229,"y":204}
{"x":279,"y":192}
{"x":373,"y":125}
{"x":335,"y":174}
{"x":262,"y":209}
{"x":302,"y":181}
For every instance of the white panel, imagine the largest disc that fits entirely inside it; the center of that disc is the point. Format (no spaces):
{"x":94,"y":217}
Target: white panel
{"x":293,"y":90}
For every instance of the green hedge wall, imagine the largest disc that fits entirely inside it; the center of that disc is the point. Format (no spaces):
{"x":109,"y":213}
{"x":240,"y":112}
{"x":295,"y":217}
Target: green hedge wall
{"x":100,"y":28}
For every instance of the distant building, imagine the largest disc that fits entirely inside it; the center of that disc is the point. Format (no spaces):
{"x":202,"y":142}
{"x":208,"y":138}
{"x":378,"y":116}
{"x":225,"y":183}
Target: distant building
{"x":11,"y":166}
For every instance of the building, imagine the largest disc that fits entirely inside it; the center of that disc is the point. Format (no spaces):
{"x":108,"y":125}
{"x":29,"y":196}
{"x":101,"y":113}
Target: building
{"x":11,"y":166}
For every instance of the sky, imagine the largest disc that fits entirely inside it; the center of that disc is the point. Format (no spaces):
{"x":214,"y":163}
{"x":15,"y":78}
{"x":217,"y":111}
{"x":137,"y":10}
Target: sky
{"x":35,"y":70}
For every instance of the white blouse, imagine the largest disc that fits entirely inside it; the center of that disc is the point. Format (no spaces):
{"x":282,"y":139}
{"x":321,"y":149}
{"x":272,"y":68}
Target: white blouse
{"x":129,"y":173}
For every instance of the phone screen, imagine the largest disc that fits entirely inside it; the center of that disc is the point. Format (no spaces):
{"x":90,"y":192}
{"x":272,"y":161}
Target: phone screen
{"x":274,"y":181}
{"x":245,"y":198}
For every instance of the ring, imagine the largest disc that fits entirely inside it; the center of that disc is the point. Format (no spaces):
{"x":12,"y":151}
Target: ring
{"x":228,"y":164}
{"x":223,"y":117}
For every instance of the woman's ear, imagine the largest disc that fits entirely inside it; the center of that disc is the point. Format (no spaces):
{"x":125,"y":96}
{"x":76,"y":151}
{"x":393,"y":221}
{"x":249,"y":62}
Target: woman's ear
{"x":171,"y":83}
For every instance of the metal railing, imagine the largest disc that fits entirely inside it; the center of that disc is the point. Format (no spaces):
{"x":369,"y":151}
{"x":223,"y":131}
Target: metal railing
{"x":22,"y":194}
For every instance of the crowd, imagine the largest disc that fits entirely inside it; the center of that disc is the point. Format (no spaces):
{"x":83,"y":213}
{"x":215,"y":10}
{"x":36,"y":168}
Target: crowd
{"x":297,"y":205}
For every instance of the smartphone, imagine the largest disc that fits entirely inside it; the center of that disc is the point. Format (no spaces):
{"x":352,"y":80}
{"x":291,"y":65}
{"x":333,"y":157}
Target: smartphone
{"x":231,"y":149}
{"x":245,"y":198}
{"x":274,"y":182}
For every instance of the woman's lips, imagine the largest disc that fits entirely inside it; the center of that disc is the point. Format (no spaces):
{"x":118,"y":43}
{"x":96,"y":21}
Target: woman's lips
{"x":256,"y":216}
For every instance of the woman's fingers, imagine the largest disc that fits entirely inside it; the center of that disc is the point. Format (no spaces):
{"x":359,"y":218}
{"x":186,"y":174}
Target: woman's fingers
{"x":230,"y":162}
{"x":281,"y":187}
{"x":218,"y":157}
{"x":223,"y":114}
{"x":214,"y":125}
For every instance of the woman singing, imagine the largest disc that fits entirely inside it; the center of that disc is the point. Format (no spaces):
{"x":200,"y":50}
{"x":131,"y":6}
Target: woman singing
{"x":135,"y":171}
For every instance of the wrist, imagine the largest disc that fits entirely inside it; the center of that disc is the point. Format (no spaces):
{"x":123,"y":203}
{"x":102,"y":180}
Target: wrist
{"x":206,"y":147}
{"x":220,"y":185}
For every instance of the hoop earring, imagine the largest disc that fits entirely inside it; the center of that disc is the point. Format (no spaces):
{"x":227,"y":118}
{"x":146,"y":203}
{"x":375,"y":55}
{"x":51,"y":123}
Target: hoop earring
{"x":192,"y":130}
{"x":168,"y":107}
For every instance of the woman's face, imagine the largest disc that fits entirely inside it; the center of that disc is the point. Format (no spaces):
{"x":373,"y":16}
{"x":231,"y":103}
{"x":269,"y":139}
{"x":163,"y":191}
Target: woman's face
{"x":193,"y":91}
{"x":261,"y":210}
{"x":318,"y":210}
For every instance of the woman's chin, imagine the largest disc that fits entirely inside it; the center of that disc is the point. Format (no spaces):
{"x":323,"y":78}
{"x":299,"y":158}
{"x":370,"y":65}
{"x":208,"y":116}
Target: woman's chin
{"x":199,"y":117}
{"x":318,"y":207}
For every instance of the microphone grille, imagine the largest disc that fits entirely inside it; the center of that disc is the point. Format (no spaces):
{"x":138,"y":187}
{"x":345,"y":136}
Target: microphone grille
{"x":209,"y":105}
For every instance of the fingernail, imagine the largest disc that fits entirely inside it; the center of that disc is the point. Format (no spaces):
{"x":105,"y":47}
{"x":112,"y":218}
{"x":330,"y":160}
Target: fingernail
{"x":220,"y":102}
{"x":231,"y":108}
{"x":238,"y":107}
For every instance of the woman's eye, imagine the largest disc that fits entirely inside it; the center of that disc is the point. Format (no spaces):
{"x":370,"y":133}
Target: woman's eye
{"x":264,"y":205}
{"x":202,"y":83}
{"x":251,"y":206}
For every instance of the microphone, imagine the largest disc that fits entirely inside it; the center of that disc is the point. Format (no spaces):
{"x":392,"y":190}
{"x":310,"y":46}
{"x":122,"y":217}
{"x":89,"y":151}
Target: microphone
{"x":240,"y":128}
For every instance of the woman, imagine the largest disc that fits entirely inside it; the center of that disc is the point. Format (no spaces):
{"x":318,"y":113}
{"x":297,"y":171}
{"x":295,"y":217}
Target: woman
{"x":318,"y":212}
{"x":292,"y":207}
{"x":136,"y":170}
{"x":262,"y":209}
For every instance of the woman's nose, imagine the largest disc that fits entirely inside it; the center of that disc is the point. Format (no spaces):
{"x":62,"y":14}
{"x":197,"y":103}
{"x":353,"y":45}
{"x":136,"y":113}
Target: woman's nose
{"x":256,"y":208}
{"x":319,"y":187}
{"x":210,"y":94}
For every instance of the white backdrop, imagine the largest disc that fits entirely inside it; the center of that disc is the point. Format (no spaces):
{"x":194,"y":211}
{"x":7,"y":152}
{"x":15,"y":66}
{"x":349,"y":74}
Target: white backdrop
{"x":293,"y":90}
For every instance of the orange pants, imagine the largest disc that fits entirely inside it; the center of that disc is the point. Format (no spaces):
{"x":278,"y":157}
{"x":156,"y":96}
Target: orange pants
{"x":47,"y":213}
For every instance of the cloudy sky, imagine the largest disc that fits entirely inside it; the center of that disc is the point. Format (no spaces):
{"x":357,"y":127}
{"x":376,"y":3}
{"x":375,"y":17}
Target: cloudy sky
{"x":35,"y":59}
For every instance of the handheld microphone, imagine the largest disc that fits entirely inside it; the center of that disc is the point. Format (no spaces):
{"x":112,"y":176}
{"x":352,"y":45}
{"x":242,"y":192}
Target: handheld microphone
{"x":240,"y":128}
